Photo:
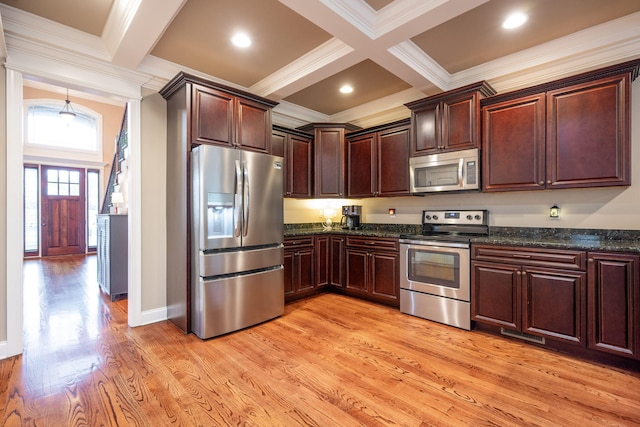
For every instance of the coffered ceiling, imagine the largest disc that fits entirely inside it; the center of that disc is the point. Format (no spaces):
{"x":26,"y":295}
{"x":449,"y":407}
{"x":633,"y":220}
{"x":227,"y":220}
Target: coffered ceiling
{"x":390,"y":51}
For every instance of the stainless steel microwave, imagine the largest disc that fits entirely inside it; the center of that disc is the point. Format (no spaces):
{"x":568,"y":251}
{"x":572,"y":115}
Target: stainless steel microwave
{"x":450,"y":171}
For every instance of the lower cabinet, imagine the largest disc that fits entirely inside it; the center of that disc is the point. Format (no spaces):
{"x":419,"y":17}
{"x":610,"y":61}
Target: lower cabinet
{"x":373,"y":269}
{"x":299,"y":267}
{"x":614,"y":303}
{"x":559,"y":295}
{"x":337,"y":261}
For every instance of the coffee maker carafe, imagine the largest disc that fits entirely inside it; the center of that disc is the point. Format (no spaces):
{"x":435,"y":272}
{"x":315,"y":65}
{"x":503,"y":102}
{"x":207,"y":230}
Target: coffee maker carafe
{"x":351,"y":217}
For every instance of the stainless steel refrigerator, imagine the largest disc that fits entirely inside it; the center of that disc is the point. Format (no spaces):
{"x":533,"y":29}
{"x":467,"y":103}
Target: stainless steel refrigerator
{"x":237,"y":232}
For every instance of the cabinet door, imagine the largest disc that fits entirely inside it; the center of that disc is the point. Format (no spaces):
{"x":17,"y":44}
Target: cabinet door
{"x":212,"y":121}
{"x":554,"y":304}
{"x":278,"y":139}
{"x":514,"y":145}
{"x":461,"y":123}
{"x":385,"y":275}
{"x":361,"y":166}
{"x":496,"y":294}
{"x":614,"y":303}
{"x":329,"y":162}
{"x":322,"y":260}
{"x":337,"y":265}
{"x":299,"y":164}
{"x":588,"y":134}
{"x":289,"y":274}
{"x":253,"y":126}
{"x":425,"y":126}
{"x":393,"y":162}
{"x":357,"y":270}
{"x":304,"y":262}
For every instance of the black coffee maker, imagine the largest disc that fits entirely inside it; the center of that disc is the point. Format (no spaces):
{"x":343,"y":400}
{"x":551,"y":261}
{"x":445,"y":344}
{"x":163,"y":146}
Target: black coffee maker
{"x":351,"y":217}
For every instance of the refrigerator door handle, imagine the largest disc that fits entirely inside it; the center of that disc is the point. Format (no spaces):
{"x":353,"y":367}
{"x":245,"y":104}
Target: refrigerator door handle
{"x":246,"y":208}
{"x":238,"y":201}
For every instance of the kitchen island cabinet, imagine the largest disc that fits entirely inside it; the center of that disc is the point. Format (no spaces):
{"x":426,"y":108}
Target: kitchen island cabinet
{"x":449,"y":121}
{"x":570,"y":133}
{"x":378,"y":161}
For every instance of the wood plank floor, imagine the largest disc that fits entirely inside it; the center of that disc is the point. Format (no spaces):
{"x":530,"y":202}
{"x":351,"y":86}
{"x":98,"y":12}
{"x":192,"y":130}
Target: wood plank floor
{"x":329,"y":361}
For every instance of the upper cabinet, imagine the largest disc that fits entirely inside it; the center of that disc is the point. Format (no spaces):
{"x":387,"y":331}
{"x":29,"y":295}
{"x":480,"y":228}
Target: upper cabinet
{"x":297,"y":150}
{"x":329,"y":158}
{"x":448,"y":121}
{"x":569,"y":133}
{"x":222,"y":115}
{"x":378,"y":161}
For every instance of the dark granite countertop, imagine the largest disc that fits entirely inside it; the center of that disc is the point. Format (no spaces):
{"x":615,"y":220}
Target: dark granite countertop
{"x":556,"y":238}
{"x":368,"y":230}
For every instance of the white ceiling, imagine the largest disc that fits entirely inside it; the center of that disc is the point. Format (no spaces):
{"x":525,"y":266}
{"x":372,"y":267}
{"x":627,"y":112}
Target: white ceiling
{"x":392,"y":52}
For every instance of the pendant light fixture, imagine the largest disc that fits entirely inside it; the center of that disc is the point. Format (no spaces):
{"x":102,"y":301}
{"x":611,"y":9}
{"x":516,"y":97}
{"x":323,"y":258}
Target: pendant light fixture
{"x":67,"y":112}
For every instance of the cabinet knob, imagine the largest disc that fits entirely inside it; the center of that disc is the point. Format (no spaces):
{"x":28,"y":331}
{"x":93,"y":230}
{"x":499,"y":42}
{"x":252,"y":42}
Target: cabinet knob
{"x":541,"y":182}
{"x":591,"y":260}
{"x":549,"y":181}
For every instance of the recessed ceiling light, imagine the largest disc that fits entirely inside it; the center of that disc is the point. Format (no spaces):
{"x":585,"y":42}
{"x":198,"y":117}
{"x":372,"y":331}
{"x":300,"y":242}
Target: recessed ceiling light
{"x":346,"y":89}
{"x":514,"y":20}
{"x":241,"y":40}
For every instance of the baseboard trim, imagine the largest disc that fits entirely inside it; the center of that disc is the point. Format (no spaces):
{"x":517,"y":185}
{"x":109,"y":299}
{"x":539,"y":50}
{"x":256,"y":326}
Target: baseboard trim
{"x":153,"y":316}
{"x":4,"y":350}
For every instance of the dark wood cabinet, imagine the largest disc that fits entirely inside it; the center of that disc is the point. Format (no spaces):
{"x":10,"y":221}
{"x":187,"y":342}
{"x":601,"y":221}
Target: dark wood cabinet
{"x":222,"y":118}
{"x":299,"y":267}
{"x":614,"y":303}
{"x":373,"y":269}
{"x":297,"y":150}
{"x":337,"y":261}
{"x":448,"y":121}
{"x":523,"y":289}
{"x":569,"y":133}
{"x":378,"y":161}
{"x":323,"y":260}
{"x":201,"y":112}
{"x":329,"y":158}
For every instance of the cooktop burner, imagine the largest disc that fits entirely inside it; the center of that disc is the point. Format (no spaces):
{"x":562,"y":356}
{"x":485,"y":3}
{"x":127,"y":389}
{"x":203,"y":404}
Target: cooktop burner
{"x":451,"y":226}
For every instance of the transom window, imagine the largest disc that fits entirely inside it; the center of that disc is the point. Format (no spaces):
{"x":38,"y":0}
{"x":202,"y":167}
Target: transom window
{"x":45,"y":127}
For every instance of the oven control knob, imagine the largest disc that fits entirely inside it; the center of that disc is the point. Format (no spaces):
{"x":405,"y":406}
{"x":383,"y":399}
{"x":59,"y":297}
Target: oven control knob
{"x":477,"y":217}
{"x":435,"y":217}
{"x":469,"y":217}
{"x":428,"y":217}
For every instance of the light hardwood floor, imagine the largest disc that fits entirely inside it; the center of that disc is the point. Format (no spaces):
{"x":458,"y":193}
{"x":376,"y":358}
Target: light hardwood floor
{"x":329,"y":361}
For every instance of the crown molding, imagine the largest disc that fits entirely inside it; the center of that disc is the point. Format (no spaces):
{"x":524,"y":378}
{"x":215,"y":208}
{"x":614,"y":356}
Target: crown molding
{"x":31,"y":27}
{"x":299,"y":114}
{"x":356,"y":13}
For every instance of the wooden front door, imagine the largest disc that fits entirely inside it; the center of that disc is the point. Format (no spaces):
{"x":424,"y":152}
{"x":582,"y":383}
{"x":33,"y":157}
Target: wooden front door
{"x":63,"y":211}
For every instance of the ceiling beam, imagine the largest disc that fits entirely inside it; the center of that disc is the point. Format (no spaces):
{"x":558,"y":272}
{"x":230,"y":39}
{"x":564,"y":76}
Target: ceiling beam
{"x":134,"y":27}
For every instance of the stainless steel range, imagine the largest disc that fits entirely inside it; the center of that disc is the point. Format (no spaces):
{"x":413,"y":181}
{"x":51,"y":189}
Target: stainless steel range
{"x":435,"y":266}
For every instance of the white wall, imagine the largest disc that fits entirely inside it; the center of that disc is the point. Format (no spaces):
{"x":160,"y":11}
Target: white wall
{"x":606,"y":208}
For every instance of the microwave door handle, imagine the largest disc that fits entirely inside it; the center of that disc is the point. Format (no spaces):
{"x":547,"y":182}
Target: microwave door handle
{"x":237,"y":200}
{"x":246,"y":209}
{"x":460,"y":167}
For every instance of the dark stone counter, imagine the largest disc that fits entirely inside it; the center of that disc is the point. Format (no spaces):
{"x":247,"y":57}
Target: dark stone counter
{"x":558,"y":238}
{"x":565,"y":238}
{"x":368,"y":230}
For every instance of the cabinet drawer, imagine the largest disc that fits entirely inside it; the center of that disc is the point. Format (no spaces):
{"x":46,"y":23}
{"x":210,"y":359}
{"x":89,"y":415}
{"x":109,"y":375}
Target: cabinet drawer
{"x":559,"y":258}
{"x":373,"y":243}
{"x":291,"y":242}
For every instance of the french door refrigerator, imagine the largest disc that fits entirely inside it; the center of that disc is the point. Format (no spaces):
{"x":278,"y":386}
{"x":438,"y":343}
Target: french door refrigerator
{"x":237,"y":226}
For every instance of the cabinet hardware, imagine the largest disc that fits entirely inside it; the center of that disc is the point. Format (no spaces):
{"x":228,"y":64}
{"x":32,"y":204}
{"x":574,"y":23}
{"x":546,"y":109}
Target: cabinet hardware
{"x":521,"y":256}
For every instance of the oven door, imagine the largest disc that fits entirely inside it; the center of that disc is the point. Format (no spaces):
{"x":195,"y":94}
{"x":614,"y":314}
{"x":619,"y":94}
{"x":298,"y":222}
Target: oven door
{"x":436,"y":270}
